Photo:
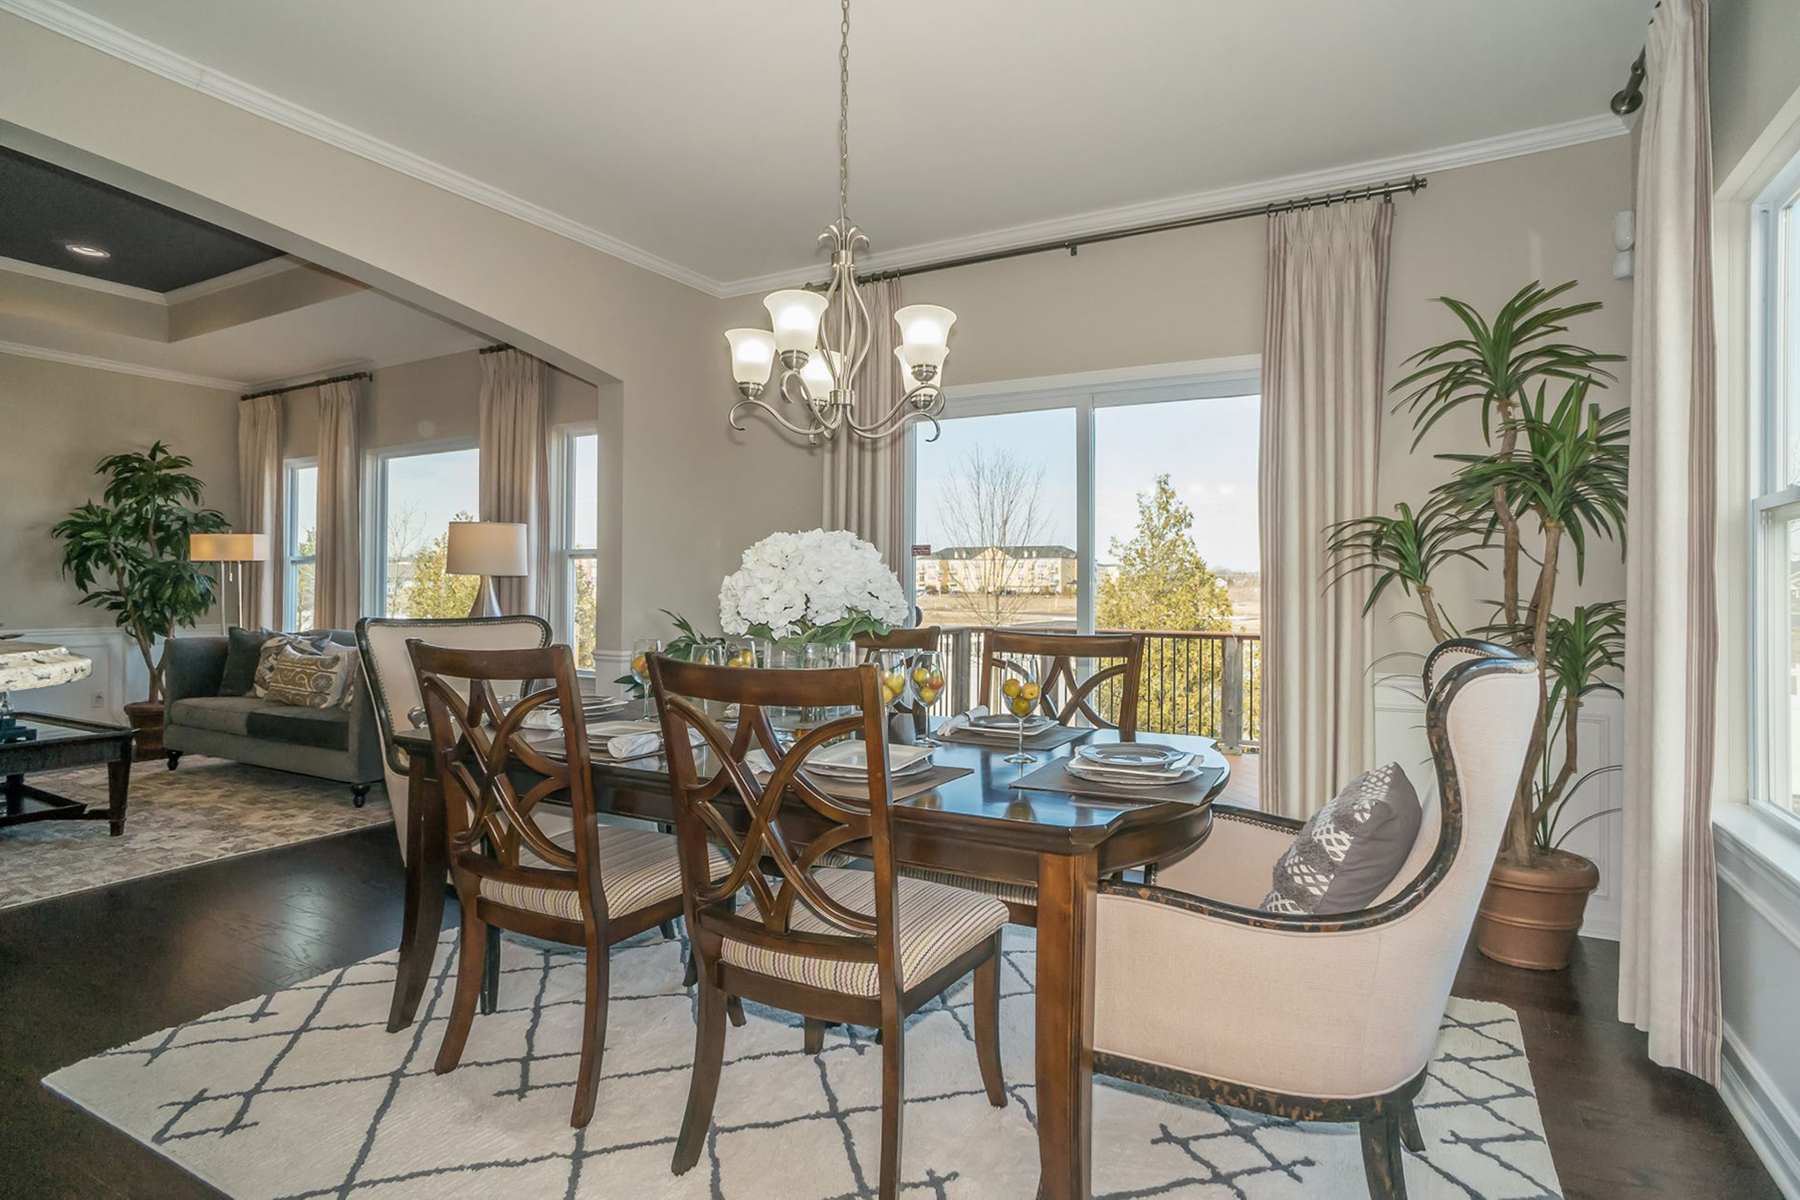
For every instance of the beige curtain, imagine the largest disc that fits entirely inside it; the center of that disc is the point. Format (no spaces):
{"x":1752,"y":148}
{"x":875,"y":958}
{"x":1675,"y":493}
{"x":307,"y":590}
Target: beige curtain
{"x":1323,"y":338}
{"x":515,"y":469}
{"x":1669,"y":939}
{"x":337,"y":599}
{"x":260,"y":486}
{"x":865,"y":482}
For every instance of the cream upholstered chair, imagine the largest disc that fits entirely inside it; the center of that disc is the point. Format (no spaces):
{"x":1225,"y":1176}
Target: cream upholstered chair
{"x":394,"y":686}
{"x":1325,"y":1018}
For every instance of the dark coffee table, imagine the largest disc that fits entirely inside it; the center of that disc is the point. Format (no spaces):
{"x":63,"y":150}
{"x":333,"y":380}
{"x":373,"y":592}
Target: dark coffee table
{"x":65,"y":742}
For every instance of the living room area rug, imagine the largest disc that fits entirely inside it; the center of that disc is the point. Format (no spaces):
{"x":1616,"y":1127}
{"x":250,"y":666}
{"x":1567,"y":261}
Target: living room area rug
{"x":209,"y":809}
{"x":304,"y":1093}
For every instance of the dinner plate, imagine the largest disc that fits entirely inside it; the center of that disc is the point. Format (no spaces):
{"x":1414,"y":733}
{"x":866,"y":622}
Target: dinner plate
{"x":1003,"y":723}
{"x":1136,"y":756}
{"x":1134,"y":779}
{"x":852,"y":759}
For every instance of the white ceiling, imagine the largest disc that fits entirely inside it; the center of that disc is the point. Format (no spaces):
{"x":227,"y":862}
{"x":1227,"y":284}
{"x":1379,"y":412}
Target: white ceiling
{"x":700,"y":133}
{"x":364,"y":329}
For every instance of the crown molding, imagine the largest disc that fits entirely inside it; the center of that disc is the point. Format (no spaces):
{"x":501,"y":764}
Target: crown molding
{"x":110,"y":39}
{"x":72,"y":23}
{"x":238,"y":278}
{"x":18,"y":266}
{"x":120,"y":368}
{"x":1198,"y":204}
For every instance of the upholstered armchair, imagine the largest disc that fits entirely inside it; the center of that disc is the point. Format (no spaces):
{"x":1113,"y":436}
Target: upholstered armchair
{"x":394,"y":686}
{"x":1324,"y":1018}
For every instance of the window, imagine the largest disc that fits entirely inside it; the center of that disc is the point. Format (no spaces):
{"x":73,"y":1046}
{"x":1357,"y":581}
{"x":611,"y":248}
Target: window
{"x":300,"y":544}
{"x":1776,"y":548}
{"x":577,"y":526}
{"x":1112,"y":506}
{"x":418,"y":492}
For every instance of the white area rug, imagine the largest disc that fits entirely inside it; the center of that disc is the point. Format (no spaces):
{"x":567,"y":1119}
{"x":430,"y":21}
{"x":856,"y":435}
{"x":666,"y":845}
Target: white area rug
{"x":209,"y":809}
{"x":304,"y":1094}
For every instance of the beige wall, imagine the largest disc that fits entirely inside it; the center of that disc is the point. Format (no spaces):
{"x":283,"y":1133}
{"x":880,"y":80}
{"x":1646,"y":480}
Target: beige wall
{"x":691,"y":493}
{"x":1755,"y":70}
{"x":56,"y":422}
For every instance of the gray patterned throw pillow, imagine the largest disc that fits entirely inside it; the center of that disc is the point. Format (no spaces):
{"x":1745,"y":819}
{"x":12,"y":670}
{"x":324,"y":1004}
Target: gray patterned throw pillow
{"x":1349,"y":851}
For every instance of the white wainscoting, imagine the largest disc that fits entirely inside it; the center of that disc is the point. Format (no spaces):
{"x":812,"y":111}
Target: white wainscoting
{"x":1400,"y":737}
{"x":118,"y":676}
{"x":1759,"y":967}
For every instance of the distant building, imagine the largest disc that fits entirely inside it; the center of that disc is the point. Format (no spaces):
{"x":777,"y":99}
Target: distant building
{"x":1028,"y":570}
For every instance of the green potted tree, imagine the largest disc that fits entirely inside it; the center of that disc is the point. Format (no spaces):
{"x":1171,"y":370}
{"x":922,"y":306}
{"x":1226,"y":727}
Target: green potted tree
{"x":128,"y":555}
{"x":1548,"y":481}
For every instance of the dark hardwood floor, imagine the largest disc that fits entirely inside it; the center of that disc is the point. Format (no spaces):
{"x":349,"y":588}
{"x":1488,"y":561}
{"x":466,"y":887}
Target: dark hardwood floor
{"x":90,"y":971}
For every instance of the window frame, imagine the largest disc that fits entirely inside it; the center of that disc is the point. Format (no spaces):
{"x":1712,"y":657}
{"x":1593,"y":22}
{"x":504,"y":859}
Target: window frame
{"x":288,"y":617}
{"x":1086,"y":394}
{"x":1774,"y":283}
{"x":564,"y":555}
{"x":375,"y":510}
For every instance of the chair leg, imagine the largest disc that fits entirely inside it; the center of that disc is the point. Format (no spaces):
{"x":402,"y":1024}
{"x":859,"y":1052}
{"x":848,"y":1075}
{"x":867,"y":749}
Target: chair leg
{"x":692,"y":975}
{"x":667,"y":929}
{"x":593,"y":1031}
{"x":1382,"y":1161}
{"x":1410,"y":1137}
{"x":469,"y":969}
{"x":893,"y":1102}
{"x":813,"y":1040}
{"x":987,"y":1028}
{"x":490,"y":975}
{"x":734,"y":1008}
{"x":703,"y":1085}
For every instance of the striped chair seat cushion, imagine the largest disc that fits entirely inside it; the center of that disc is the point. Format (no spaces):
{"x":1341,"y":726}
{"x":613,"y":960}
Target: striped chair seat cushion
{"x":937,"y":923}
{"x":638,"y":868}
{"x":1012,"y":893}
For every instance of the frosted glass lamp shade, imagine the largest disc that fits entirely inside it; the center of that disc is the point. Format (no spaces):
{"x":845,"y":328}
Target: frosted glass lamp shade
{"x":817,"y":376}
{"x":752,"y":355}
{"x":908,"y":380}
{"x":228,"y":547}
{"x":794,"y":315}
{"x":486,"y":548}
{"x":926,"y":354}
{"x":925,"y":324}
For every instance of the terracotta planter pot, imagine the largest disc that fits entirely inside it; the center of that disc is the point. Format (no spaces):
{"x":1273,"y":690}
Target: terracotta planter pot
{"x":146,"y":717}
{"x":1530,"y":915}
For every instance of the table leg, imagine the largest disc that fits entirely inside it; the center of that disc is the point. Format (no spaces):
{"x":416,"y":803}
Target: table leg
{"x":118,"y":785}
{"x":15,"y":794}
{"x":426,"y":865}
{"x":1065,"y":1025}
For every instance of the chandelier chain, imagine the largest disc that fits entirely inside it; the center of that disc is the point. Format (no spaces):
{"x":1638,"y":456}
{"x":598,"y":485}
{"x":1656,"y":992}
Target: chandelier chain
{"x":844,"y":115}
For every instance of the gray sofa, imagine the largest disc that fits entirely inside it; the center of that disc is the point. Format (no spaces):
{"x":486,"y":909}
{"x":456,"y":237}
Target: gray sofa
{"x":331,"y":743}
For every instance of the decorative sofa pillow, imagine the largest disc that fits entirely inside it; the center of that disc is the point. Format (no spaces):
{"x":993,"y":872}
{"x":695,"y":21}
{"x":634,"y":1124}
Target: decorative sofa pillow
{"x":1350,"y":850}
{"x":271,"y":650}
{"x":352,"y":670}
{"x":243,"y":654}
{"x":308,"y":680}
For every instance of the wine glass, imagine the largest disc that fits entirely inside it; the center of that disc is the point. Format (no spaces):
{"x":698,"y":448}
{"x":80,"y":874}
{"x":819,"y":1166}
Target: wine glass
{"x":641,"y":650}
{"x":926,"y":681}
{"x":1021,"y":692}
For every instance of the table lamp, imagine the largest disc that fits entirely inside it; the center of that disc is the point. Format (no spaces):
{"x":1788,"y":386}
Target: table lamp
{"x":25,"y":665}
{"x":228,"y":550}
{"x":487,"y":549}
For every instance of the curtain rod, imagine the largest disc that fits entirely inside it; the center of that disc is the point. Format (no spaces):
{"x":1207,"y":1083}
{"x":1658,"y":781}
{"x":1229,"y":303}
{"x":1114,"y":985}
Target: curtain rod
{"x":301,"y":387}
{"x":1630,"y":98}
{"x":1385,"y":190}
{"x":494,"y":349}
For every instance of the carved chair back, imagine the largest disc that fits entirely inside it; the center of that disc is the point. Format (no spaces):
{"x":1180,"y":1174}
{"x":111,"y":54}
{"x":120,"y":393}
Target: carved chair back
{"x":763,"y":858}
{"x":1063,"y":696}
{"x":477,"y":750}
{"x":919,"y":637}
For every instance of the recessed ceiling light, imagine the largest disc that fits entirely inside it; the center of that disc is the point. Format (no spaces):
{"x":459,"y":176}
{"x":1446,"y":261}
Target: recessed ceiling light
{"x":86,"y":250}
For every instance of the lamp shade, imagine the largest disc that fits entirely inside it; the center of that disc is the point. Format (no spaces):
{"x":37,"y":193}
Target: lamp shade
{"x":228,"y":547}
{"x":752,"y":354}
{"x":794,"y":314}
{"x":486,"y":548}
{"x":816,"y":376}
{"x":924,"y":324}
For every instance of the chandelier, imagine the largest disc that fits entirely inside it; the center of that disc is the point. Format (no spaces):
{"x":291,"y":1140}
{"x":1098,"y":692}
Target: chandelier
{"x":822,"y":356}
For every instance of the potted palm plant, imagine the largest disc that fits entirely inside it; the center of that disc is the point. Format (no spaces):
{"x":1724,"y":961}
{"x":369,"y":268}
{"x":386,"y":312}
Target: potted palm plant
{"x":128,"y":555}
{"x":1547,"y":483}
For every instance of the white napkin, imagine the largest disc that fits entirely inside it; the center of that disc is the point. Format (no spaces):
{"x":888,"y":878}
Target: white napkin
{"x":643,"y":741}
{"x":961,"y":720}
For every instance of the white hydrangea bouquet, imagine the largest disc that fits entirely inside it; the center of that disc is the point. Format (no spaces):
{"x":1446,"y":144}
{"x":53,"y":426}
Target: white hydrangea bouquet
{"x":820,"y":586}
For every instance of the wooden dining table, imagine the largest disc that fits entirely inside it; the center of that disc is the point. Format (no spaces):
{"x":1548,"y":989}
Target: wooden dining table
{"x":977,"y":825}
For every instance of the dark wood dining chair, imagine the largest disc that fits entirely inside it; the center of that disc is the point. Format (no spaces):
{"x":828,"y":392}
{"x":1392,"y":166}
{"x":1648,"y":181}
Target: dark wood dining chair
{"x":593,"y":886}
{"x":862,"y":947}
{"x":1064,"y":697}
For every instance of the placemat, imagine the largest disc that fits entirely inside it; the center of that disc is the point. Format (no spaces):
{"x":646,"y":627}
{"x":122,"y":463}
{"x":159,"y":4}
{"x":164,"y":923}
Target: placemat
{"x":1054,"y":776}
{"x":1049,"y":739}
